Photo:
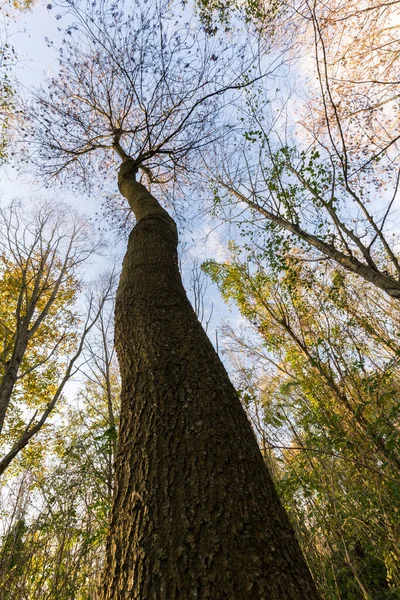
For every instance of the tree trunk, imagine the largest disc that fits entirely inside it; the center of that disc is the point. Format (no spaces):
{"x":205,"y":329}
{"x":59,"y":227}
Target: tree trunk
{"x":10,"y":376}
{"x":195,"y":512}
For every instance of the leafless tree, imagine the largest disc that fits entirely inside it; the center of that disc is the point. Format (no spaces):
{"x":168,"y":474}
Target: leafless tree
{"x":102,"y":375}
{"x":147,"y":85}
{"x":198,"y":285}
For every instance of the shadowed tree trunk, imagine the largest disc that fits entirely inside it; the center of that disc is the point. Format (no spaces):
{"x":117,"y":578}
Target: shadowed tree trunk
{"x":195,"y":511}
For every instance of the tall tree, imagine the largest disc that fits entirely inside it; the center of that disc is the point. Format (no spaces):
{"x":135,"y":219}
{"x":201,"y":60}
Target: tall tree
{"x":194,"y":503}
{"x":195,"y":511}
{"x":41,"y":252}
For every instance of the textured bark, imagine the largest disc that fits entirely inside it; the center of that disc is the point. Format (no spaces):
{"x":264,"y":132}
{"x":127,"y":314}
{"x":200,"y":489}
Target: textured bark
{"x":195,"y":512}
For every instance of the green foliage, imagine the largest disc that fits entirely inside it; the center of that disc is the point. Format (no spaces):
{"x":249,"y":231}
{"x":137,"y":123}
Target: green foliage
{"x":215,"y":13}
{"x":325,"y":380}
{"x":58,"y":551}
{"x":48,"y":349}
{"x":55,"y":500}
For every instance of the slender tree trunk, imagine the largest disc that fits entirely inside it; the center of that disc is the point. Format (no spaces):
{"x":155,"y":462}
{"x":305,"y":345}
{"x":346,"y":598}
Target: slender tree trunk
{"x":195,"y":512}
{"x":10,"y":377}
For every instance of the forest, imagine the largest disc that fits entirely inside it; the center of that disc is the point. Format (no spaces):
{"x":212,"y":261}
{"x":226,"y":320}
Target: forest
{"x":199,"y":300}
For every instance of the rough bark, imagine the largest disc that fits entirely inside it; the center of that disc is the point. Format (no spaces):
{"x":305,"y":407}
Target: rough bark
{"x":195,"y":512}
